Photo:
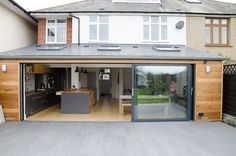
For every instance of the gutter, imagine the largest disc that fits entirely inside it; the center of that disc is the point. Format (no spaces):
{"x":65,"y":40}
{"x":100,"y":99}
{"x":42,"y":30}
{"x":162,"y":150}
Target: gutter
{"x":142,"y":12}
{"x":22,"y":9}
{"x":78,"y":27}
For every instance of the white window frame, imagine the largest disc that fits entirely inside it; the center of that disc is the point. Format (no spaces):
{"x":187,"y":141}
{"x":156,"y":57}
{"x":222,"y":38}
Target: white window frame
{"x":97,"y":23}
{"x":160,"y":23}
{"x":55,"y":27}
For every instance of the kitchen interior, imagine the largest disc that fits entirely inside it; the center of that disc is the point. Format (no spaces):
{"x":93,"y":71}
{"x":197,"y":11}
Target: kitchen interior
{"x":75,"y":92}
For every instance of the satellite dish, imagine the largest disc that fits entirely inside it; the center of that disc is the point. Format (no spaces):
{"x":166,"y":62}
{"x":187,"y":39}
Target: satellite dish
{"x":179,"y":25}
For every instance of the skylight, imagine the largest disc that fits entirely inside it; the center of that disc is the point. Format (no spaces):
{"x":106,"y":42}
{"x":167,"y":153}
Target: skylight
{"x":51,"y":47}
{"x":193,"y":1}
{"x":137,"y":1}
{"x":166,"y":49}
{"x":109,"y":48}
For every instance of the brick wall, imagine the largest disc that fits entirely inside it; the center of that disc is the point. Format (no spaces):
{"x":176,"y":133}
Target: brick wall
{"x":41,"y":31}
{"x":69,"y":31}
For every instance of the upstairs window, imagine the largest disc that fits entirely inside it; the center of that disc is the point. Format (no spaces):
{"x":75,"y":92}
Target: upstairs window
{"x":98,"y":28}
{"x":217,"y":32}
{"x":155,"y":28}
{"x":56,"y":31}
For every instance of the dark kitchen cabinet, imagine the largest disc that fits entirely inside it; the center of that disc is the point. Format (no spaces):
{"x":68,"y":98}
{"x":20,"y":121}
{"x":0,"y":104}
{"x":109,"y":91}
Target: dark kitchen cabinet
{"x":37,"y":101}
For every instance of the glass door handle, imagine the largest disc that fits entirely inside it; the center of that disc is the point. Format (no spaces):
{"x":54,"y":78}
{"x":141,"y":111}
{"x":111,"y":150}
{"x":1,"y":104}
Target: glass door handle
{"x":132,"y":92}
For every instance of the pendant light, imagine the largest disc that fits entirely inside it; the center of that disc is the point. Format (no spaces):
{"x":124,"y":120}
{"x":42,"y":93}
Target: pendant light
{"x":77,"y":70}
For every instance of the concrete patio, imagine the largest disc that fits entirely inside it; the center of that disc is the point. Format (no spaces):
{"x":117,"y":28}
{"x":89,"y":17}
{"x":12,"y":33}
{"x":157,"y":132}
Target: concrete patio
{"x":117,"y":139}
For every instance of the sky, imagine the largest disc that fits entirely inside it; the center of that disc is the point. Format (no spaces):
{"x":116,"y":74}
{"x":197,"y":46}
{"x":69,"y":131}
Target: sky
{"x":31,"y":5}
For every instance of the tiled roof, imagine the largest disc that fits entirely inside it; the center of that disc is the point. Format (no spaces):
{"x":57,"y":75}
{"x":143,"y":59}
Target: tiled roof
{"x":168,"y":6}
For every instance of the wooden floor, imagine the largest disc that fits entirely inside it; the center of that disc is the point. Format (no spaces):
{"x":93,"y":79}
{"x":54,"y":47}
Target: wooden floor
{"x":106,"y":109}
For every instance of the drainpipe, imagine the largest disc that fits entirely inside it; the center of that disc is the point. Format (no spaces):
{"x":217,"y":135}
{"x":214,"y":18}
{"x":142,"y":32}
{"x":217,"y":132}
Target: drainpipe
{"x":78,"y":27}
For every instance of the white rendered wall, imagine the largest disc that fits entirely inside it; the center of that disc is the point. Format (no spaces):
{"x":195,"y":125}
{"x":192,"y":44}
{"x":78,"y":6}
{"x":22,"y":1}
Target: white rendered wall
{"x":129,"y":30}
{"x":15,"y":31}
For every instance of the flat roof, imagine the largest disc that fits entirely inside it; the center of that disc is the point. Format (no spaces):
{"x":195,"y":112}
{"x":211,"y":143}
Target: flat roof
{"x":128,"y":51}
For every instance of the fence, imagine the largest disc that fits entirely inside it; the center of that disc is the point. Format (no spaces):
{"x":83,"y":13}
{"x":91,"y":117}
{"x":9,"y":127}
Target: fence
{"x":229,"y":90}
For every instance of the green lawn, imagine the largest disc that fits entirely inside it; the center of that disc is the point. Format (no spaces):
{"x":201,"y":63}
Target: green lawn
{"x":148,"y":99}
{"x":157,"y":100}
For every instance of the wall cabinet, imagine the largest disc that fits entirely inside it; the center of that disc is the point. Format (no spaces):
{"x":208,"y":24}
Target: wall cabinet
{"x":38,"y":69}
{"x":41,"y":69}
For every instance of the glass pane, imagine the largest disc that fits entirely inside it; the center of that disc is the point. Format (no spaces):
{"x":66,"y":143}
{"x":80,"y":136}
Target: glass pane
{"x":145,"y":18}
{"x":146,"y":32}
{"x":51,"y":23}
{"x":224,"y":21}
{"x":155,"y":32}
{"x":208,"y":35}
{"x":155,"y":19}
{"x":216,"y":35}
{"x":51,"y":35}
{"x":61,"y":22}
{"x":103,"y":32}
{"x":161,"y":92}
{"x":93,"y":32}
{"x":163,"y":19}
{"x":61,"y":34}
{"x":208,"y":21}
{"x":164,"y":32}
{"x":224,"y":35}
{"x":103,"y":19}
{"x":215,"y":21}
{"x":92,"y":18}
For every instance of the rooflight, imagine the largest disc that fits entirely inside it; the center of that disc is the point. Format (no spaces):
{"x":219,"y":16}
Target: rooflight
{"x":137,"y":1}
{"x":109,"y":48}
{"x":51,"y":47}
{"x":166,"y":49}
{"x":193,"y":1}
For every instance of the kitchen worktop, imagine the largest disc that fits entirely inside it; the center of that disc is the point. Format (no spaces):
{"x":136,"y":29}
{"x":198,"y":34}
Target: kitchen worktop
{"x":81,"y":90}
{"x":34,"y":92}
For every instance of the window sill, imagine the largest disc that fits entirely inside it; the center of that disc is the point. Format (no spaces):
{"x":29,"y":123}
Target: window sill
{"x":55,"y":43}
{"x":219,"y":46}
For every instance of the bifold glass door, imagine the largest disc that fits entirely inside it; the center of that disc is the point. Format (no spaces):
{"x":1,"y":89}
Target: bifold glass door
{"x":162,"y":92}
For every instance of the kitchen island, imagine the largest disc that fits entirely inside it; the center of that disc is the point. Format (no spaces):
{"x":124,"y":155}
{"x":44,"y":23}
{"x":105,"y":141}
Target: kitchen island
{"x":80,"y":101}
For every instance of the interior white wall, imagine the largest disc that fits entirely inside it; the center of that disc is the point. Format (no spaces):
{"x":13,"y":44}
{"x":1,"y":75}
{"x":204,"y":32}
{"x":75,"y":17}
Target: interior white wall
{"x":117,"y":88}
{"x":127,"y":29}
{"x":82,"y":82}
{"x":115,"y":85}
{"x":121,"y":82}
{"x":125,"y":79}
{"x":74,"y":76}
{"x":127,"y":76}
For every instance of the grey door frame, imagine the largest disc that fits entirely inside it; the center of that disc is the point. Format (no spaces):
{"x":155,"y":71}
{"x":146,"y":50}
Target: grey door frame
{"x":190,"y":97}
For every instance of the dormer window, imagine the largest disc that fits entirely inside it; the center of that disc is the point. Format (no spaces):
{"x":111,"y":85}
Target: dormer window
{"x":56,"y":31}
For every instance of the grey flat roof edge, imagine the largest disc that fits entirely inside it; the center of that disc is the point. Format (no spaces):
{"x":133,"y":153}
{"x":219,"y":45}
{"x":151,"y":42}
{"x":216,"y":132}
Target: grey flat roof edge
{"x":69,"y":57}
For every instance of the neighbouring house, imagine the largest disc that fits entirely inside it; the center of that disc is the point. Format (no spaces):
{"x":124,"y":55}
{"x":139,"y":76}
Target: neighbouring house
{"x":120,"y":60}
{"x":18,"y":28}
